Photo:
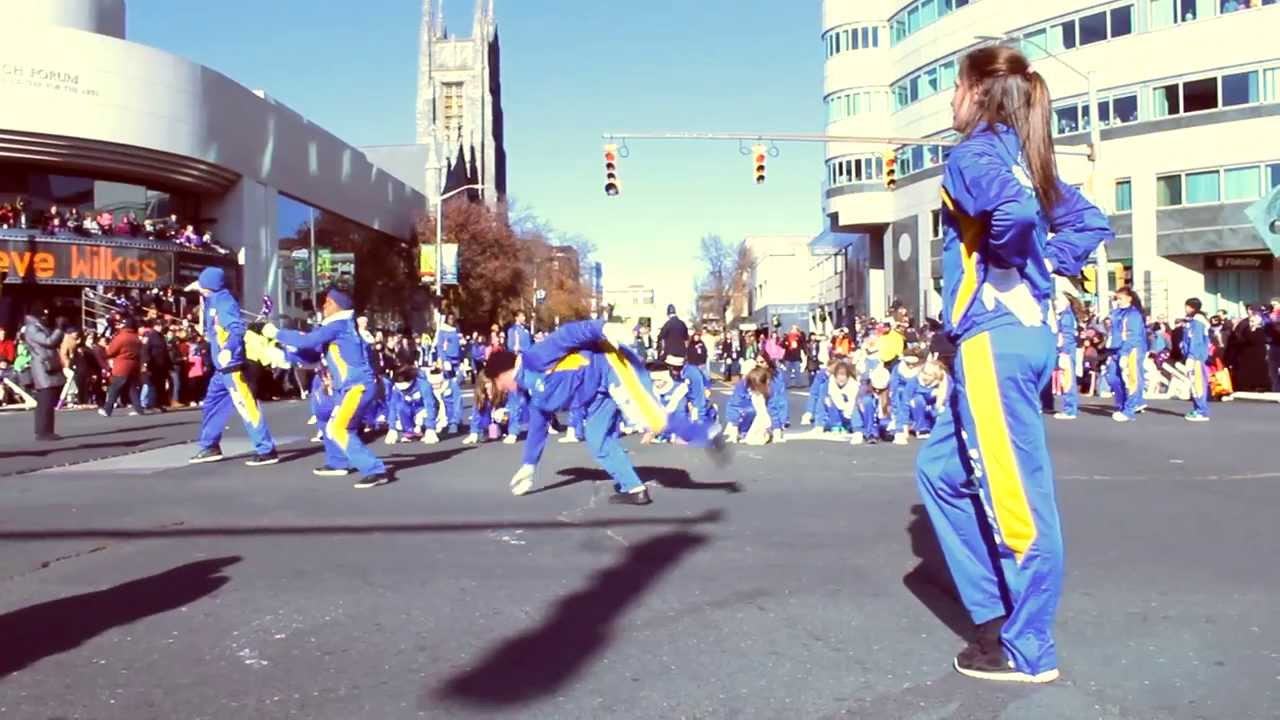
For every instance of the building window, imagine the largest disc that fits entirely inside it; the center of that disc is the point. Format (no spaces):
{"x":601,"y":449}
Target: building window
{"x":1066,"y":120}
{"x":1165,"y":101}
{"x":920,"y":15}
{"x":1125,"y":108}
{"x":1124,"y":196}
{"x":1271,"y":85}
{"x":1200,"y":95}
{"x":451,"y":111}
{"x":1242,"y":183}
{"x":1240,"y":88}
{"x":1168,"y":190}
{"x":935,"y":224}
{"x":1093,"y":28}
{"x":1121,"y":21}
{"x":1062,"y":36}
{"x":1202,"y":187}
{"x":1273,"y":177}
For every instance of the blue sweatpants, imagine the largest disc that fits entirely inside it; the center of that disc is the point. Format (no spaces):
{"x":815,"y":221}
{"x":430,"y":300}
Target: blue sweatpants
{"x":453,"y":402}
{"x":517,"y":413}
{"x":987,"y":482}
{"x":923,"y":414}
{"x":1198,"y":374}
{"x":871,"y":424}
{"x":1126,"y":374}
{"x":1070,"y":385}
{"x":343,"y":447}
{"x":227,"y":391}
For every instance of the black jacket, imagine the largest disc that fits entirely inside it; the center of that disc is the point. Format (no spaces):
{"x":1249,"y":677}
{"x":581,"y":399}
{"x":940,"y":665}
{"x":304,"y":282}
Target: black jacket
{"x":673,"y":339}
{"x":697,"y":352}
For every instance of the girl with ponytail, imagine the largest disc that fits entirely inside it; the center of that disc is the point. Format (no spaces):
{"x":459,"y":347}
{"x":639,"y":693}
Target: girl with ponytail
{"x":985,"y":474}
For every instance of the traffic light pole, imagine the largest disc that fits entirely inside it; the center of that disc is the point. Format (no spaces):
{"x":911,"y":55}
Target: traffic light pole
{"x":1095,"y":141}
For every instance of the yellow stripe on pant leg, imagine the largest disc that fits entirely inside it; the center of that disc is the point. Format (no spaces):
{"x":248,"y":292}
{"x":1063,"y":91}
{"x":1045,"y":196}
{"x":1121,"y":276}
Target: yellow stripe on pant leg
{"x":1008,"y":497}
{"x":243,"y":399}
{"x":1194,"y":370}
{"x":340,"y":421}
{"x":642,"y":401}
{"x":1131,"y":377}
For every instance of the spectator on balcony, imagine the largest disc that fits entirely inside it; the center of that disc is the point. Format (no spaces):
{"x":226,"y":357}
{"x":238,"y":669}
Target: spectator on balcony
{"x":75,"y":221}
{"x":131,"y":225}
{"x":7,"y":216}
{"x":53,"y":220}
{"x":106,"y":223}
{"x":20,"y":215}
{"x":190,"y":237}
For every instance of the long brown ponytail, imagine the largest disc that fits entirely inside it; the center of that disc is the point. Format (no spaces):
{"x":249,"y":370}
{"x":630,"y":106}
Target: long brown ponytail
{"x":1007,"y":91}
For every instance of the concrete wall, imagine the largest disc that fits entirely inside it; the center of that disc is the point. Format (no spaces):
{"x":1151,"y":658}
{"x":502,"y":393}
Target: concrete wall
{"x":105,"y":17}
{"x":107,"y":89}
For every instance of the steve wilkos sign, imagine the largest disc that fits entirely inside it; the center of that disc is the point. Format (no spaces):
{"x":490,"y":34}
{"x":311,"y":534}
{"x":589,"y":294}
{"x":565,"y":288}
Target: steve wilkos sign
{"x":43,"y":261}
{"x":1237,"y":262}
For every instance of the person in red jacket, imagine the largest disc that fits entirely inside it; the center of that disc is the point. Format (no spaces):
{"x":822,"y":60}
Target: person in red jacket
{"x":125,"y":352}
{"x":8,"y":348}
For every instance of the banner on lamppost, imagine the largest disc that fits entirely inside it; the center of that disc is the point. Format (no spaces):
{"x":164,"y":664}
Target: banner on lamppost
{"x":449,"y":269}
{"x":427,"y":263}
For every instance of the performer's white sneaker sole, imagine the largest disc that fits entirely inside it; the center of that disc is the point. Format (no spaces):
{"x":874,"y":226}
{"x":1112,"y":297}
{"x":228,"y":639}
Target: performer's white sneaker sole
{"x":521,"y":486}
{"x":1011,"y":675}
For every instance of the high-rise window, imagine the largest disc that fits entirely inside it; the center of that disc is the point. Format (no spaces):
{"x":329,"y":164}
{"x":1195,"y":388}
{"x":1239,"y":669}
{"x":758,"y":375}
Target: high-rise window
{"x":1168,"y":190}
{"x":451,"y":111}
{"x":1124,"y":196}
{"x":1202,"y":187}
{"x":1200,"y":94}
{"x":1273,"y":176}
{"x":1166,"y":100}
{"x":1240,"y":88}
{"x":1243,"y":183}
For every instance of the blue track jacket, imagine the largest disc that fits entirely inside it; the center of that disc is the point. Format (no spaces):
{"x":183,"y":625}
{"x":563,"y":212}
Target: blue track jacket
{"x":345,"y":353}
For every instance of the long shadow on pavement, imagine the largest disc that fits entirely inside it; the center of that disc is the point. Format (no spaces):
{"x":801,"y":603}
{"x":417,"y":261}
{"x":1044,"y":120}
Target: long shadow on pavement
{"x":542,"y":659}
{"x":674,"y":478}
{"x":46,"y":452}
{"x":401,"y":461}
{"x":710,"y":516}
{"x":128,"y":429}
{"x":930,"y":581}
{"x":40,"y":631}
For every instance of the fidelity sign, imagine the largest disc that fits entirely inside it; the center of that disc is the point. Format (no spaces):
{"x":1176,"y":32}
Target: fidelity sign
{"x":84,"y":263}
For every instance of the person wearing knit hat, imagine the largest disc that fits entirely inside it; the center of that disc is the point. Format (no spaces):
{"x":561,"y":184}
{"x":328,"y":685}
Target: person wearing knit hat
{"x":225,"y":328}
{"x":347,"y":356}
{"x":589,"y":364}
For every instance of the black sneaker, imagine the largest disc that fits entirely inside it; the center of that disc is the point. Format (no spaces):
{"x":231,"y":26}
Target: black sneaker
{"x":369,"y":481}
{"x":207,"y":455}
{"x":327,"y":471}
{"x":639,"y":497}
{"x":985,"y":659}
{"x":270,"y":458}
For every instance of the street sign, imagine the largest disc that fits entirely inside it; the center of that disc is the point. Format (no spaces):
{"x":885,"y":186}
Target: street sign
{"x":1265,"y":216}
{"x":539,"y":294}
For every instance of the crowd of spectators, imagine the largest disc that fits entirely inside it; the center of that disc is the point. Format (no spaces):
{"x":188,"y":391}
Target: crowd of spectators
{"x":103,"y":223}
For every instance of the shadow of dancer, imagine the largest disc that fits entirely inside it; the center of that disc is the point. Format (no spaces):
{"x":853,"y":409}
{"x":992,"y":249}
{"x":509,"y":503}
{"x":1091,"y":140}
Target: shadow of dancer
{"x":672,"y":478}
{"x":930,"y":581}
{"x":39,"y":631}
{"x":544,"y":658}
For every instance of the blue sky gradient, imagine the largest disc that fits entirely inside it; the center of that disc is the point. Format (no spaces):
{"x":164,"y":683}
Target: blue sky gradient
{"x":572,"y":69}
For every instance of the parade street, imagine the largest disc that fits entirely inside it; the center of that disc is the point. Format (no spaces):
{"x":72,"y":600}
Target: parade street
{"x":801,"y":581}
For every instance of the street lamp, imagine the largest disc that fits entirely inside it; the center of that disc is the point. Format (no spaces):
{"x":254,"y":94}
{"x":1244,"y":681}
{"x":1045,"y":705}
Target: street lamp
{"x":1095,"y":140}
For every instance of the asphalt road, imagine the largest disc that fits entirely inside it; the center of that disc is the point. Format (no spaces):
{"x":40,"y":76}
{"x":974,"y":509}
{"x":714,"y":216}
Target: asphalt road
{"x":800,"y":582}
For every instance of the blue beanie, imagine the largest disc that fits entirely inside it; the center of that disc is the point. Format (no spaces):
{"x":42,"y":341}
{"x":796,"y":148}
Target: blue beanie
{"x":339,"y":298}
{"x":212,"y":279}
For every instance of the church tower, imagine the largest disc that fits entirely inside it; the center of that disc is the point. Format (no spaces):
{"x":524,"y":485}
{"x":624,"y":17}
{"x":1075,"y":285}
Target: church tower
{"x":460,"y":99}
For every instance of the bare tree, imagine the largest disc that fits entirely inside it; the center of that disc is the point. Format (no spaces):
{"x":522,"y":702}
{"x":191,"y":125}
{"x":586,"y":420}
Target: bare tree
{"x":722,"y":287}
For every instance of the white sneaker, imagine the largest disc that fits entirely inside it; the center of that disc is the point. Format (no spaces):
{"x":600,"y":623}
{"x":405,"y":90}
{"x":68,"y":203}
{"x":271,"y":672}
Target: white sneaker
{"x":430,"y":438}
{"x":1063,"y":416}
{"x":509,"y":440}
{"x":552,"y":431}
{"x":778,"y":437}
{"x":900,"y":438}
{"x":1120,"y":417}
{"x":1140,"y":409}
{"x":471,"y":439}
{"x":857,"y":439}
{"x":806,"y":419}
{"x":570,"y":436}
{"x":923,"y":435}
{"x":311,"y":420}
{"x":1196,"y":417}
{"x":318,"y":437}
{"x":522,"y":482}
{"x":393,"y":437}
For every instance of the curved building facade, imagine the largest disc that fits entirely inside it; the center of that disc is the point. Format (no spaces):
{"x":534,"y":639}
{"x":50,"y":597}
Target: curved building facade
{"x":93,"y":121}
{"x":1188,"y":102}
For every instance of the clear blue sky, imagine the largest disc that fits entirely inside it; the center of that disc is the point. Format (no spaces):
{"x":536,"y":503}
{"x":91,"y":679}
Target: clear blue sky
{"x":571,"y":70}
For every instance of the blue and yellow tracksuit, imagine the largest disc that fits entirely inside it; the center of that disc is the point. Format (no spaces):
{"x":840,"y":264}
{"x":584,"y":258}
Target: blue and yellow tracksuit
{"x":839,"y":407}
{"x":1128,"y":370}
{"x":923,"y":403}
{"x":687,"y":396}
{"x":1195,"y":353}
{"x":576,"y":366}
{"x":347,"y":356}
{"x":741,"y":413}
{"x":1067,"y":345}
{"x":875,"y":421}
{"x":225,"y":329}
{"x":518,"y":340}
{"x":448,"y":348}
{"x":900,"y":384}
{"x":985,"y":475}
{"x":815,"y":406}
{"x":412,"y":409}
{"x":449,"y":401}
{"x":322,"y":403}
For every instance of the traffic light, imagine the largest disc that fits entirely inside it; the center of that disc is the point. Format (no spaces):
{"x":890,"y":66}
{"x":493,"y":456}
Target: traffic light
{"x":611,"y":184}
{"x":890,"y":169}
{"x":758,"y":154}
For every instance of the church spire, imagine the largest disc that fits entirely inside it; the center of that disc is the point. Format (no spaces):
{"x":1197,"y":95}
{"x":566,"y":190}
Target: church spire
{"x":442,"y":30}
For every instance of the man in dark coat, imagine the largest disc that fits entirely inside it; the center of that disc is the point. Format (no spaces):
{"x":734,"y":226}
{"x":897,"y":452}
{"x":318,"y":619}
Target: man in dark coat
{"x":673,"y":339}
